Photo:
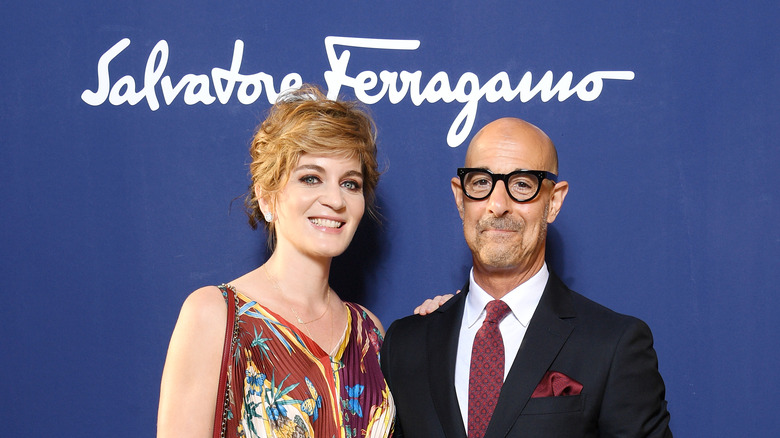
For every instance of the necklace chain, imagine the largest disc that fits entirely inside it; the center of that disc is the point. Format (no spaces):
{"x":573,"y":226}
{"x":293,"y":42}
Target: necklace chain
{"x":300,"y":321}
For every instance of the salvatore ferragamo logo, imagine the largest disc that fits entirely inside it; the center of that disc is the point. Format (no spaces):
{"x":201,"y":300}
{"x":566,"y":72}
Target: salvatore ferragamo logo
{"x":368,"y":86}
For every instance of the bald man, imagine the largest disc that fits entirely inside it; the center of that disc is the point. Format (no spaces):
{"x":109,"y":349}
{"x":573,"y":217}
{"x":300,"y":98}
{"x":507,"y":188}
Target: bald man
{"x":516,"y":353}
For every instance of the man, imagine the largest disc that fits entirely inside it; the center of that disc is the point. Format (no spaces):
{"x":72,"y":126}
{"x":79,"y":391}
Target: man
{"x":517,"y":353}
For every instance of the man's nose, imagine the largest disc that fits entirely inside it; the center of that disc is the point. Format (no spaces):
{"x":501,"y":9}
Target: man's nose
{"x":499,"y":201}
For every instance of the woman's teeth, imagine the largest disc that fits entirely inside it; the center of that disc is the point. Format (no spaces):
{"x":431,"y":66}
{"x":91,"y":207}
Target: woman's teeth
{"x":326,"y":223}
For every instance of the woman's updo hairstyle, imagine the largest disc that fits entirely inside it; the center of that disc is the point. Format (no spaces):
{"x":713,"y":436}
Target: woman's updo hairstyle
{"x":305,"y":121}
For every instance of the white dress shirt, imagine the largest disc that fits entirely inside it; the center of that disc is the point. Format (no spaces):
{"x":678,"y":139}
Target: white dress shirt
{"x":522,"y":301}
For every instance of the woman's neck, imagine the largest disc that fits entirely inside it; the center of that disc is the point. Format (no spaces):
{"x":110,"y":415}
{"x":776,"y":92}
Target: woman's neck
{"x":302,"y":280}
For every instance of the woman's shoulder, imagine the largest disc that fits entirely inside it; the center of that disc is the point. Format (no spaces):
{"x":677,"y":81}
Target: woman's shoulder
{"x":205,"y":306}
{"x":207,"y":296}
{"x":189,"y":381}
{"x":370,"y":316}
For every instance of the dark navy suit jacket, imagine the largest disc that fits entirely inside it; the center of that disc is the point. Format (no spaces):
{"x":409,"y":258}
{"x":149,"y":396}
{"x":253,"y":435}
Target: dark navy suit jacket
{"x":610,"y":354}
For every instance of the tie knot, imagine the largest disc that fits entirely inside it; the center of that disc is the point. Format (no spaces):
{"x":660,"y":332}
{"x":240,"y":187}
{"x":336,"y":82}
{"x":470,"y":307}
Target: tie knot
{"x":496,"y":311}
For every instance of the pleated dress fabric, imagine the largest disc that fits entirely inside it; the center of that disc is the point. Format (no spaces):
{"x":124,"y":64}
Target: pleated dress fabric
{"x":282,"y":384}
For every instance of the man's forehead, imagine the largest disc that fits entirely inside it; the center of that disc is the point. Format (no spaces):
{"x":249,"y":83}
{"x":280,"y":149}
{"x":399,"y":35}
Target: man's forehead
{"x":510,"y":144}
{"x":507,"y":155}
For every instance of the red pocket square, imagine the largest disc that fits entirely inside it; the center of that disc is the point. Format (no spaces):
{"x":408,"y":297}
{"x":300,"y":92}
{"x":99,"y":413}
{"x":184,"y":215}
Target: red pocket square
{"x":555,"y":384}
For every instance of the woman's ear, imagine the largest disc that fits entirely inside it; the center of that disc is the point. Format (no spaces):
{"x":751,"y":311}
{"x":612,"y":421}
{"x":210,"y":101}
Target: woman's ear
{"x":264,"y":201}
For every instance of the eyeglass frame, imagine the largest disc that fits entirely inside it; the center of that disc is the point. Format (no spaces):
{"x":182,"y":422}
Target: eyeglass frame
{"x":540,"y":175}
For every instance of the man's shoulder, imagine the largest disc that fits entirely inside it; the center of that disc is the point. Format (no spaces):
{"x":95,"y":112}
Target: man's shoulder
{"x":587,"y":309}
{"x":405,"y":333}
{"x":598,"y":316}
{"x":419,"y":323}
{"x":411,"y":321}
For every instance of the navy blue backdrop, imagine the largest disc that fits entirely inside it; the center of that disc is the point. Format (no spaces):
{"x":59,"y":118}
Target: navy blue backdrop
{"x":124,"y":134}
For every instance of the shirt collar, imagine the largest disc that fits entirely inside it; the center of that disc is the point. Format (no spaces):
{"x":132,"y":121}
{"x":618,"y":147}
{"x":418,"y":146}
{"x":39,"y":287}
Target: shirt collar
{"x":522,"y":300}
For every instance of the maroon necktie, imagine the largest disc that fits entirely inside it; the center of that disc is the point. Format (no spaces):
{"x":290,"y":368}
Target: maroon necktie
{"x":486,"y":374}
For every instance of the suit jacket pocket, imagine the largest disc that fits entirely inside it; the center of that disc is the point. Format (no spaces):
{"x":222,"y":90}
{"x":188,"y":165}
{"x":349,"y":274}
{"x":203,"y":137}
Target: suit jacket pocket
{"x":554,"y":405}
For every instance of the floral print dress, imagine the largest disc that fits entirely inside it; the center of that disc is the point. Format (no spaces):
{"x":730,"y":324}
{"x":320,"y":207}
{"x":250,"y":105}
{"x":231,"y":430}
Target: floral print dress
{"x":283,"y":385}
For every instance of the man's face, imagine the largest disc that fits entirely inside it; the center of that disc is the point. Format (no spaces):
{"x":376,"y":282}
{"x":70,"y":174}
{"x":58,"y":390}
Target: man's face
{"x":503,"y":233}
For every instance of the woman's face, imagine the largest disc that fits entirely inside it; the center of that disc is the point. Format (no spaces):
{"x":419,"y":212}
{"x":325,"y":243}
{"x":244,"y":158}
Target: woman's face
{"x":319,"y":209}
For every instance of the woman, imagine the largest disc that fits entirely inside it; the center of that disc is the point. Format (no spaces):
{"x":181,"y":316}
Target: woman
{"x":306,"y":363}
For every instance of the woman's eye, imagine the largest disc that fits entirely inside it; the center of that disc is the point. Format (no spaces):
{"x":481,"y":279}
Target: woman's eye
{"x":351,"y":185}
{"x":310,"y":179}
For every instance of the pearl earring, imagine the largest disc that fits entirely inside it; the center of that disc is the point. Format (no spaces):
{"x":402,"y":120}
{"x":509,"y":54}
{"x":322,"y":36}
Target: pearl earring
{"x":268,"y":216}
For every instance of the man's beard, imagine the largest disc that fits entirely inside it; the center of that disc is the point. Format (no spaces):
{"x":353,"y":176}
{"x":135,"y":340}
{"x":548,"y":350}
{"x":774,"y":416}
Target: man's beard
{"x":498,"y":254}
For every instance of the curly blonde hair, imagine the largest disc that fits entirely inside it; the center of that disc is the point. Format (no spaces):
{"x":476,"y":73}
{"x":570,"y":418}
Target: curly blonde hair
{"x":305,"y":121}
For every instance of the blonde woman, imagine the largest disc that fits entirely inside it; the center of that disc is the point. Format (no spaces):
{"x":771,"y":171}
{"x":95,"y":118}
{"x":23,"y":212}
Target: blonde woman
{"x":306,"y":363}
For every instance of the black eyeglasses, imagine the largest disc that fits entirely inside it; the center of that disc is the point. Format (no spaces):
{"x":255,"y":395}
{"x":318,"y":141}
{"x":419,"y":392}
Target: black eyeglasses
{"x":521,"y":185}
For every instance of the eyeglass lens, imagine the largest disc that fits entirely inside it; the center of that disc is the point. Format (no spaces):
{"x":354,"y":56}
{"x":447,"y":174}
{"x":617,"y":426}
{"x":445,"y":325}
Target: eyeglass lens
{"x":521,"y":186}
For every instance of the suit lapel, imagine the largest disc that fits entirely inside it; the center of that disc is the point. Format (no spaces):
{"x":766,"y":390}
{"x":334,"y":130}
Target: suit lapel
{"x":442,"y":345}
{"x":551,"y":325}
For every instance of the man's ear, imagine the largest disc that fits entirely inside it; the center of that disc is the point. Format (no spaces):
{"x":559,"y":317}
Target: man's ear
{"x":457,"y":192}
{"x":556,"y":200}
